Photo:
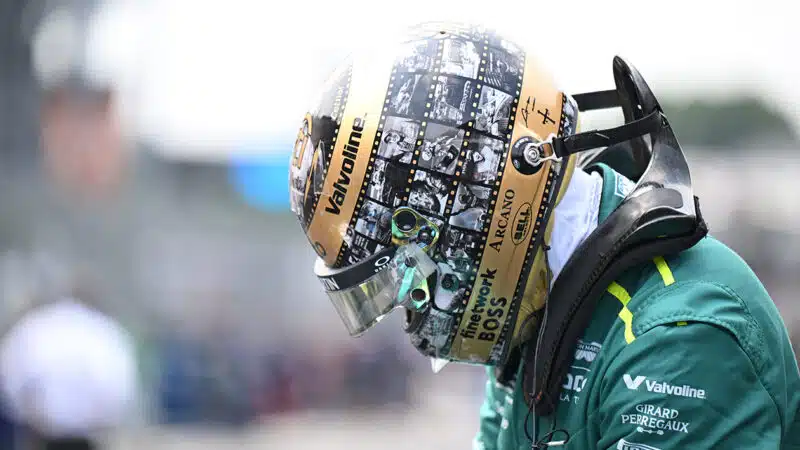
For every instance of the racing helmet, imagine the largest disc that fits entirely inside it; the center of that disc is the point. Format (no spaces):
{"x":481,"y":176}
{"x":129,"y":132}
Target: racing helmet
{"x":421,"y":178}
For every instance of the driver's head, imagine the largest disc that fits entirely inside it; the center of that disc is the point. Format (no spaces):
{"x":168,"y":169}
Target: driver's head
{"x":496,"y":289}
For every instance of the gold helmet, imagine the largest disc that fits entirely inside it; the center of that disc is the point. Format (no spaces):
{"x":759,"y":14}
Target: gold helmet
{"x":424,"y":180}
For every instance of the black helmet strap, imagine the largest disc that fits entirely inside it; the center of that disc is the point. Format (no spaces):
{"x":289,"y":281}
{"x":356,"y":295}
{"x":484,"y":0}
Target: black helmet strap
{"x":567,"y":145}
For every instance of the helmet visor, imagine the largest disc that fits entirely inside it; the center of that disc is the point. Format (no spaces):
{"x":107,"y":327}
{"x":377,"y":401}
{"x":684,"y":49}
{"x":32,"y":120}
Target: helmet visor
{"x":366,"y":292}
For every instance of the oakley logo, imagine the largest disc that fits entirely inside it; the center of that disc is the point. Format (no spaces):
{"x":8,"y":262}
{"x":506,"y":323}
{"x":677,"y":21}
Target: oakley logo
{"x":382,"y":261}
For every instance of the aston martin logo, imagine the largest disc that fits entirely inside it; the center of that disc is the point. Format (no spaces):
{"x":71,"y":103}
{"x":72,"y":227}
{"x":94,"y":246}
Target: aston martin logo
{"x":587,"y":351}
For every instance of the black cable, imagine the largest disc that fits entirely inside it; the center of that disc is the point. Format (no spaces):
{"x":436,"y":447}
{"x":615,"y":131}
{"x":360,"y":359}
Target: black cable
{"x":525,"y":424}
{"x":547,"y":439}
{"x":532,"y":408}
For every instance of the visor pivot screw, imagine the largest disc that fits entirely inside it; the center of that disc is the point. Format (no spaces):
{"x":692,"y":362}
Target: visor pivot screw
{"x":528,"y":154}
{"x":449,"y":282}
{"x":425,"y":236}
{"x":532,"y":155}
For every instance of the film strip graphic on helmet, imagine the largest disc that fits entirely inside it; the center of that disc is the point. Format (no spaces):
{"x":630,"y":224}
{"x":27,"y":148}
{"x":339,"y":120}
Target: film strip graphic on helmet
{"x":340,"y":101}
{"x":318,"y":138}
{"x":441,"y":147}
{"x":518,"y":217}
{"x":569,"y":116}
{"x":490,"y":89}
{"x":395,"y":152}
{"x":555,"y":175}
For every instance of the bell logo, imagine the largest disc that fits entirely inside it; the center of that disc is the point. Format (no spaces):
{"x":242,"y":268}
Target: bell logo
{"x":631,"y":383}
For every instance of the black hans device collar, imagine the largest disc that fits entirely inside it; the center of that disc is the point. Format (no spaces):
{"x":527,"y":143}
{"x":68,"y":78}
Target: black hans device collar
{"x":660,"y":216}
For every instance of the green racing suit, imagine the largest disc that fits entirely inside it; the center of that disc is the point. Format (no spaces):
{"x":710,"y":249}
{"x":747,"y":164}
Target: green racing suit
{"x":686,"y":352}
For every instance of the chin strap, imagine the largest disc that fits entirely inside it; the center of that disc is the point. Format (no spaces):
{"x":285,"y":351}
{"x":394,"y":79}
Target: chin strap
{"x":567,"y":145}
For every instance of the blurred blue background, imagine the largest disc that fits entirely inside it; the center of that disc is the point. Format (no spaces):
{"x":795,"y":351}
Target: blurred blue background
{"x":262,"y":181}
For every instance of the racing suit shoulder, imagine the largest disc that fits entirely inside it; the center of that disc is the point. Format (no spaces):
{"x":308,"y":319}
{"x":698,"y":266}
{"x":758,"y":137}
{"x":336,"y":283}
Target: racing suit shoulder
{"x":685,"y":386}
{"x":687,"y":349}
{"x":709,"y":295}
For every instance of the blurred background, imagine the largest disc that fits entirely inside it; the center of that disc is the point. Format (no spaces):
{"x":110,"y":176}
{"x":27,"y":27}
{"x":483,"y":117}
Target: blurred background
{"x":146,"y":143}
